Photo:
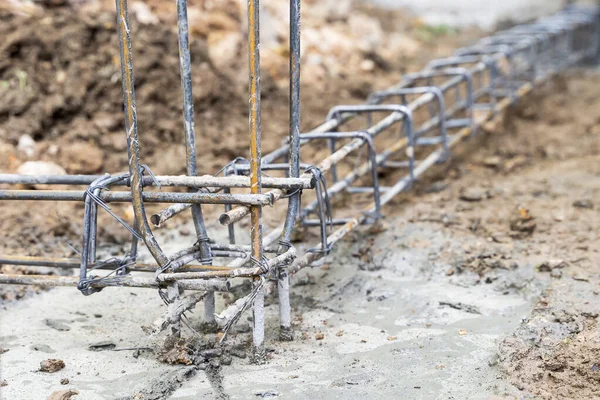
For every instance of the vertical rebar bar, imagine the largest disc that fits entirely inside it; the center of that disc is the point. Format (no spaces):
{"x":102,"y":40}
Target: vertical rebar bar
{"x":255,"y":173}
{"x":93,"y":229}
{"x":133,"y":249}
{"x":231,"y":227}
{"x":190,"y":144}
{"x":133,"y":147}
{"x":285,"y":318}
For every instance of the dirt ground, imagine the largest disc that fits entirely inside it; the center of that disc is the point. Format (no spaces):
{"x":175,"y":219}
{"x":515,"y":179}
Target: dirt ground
{"x":483,"y":284}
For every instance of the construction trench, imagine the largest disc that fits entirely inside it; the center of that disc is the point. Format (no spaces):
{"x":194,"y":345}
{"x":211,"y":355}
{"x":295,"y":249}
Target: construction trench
{"x":399,"y":133}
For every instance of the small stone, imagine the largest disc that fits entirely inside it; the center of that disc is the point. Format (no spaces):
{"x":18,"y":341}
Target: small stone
{"x":57,"y":324}
{"x":522,"y":222}
{"x":339,"y":333}
{"x":392,"y":338}
{"x":238,"y":352}
{"x":367,"y":65}
{"x":63,"y":394}
{"x":514,"y":163}
{"x":226,"y":359}
{"x":319,"y":336}
{"x":51,"y":365}
{"x":267,"y":393}
{"x":64,"y":381}
{"x":462,"y":332}
{"x":436,"y":187}
{"x":143,"y":13}
{"x":556,"y":274}
{"x":499,"y":237}
{"x":378,"y":227}
{"x":586,"y":203}
{"x":26,"y":145}
{"x":548,"y":266}
{"x":472,"y":194}
{"x":102,"y":346}
{"x":492,"y":161}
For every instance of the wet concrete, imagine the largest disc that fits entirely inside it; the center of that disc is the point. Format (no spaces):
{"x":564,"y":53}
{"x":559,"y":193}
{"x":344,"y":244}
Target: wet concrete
{"x":385,"y":334}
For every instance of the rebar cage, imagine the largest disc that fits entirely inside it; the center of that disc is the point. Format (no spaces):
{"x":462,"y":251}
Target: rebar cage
{"x":423,"y":117}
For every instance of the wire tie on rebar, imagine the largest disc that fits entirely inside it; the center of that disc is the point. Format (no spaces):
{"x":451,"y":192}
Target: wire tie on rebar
{"x":146,"y":168}
{"x":162,"y":269}
{"x":295,"y":192}
{"x":263,"y":263}
{"x":325,"y":215}
{"x":90,"y":192}
{"x":286,"y":244}
{"x":325,"y":249}
{"x":322,"y":195}
{"x":123,"y":263}
{"x":84,"y":285}
{"x":232,"y":165}
{"x":204,"y":239}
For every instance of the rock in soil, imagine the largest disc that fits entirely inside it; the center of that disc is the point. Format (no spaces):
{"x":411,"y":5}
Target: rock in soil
{"x":57,"y":324}
{"x":179,"y":351}
{"x":102,"y":346}
{"x":522,"y":223}
{"x":473,"y":194}
{"x":548,"y":266}
{"x":63,"y":394}
{"x":52,"y":365}
{"x":588,"y":204}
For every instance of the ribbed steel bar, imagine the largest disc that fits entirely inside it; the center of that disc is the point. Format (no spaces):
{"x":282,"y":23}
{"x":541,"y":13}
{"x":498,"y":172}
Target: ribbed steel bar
{"x":131,"y":128}
{"x":118,"y":281}
{"x":150,"y":197}
{"x":204,"y":181}
{"x":190,"y":145}
{"x":15,"y":179}
{"x":285,"y":310}
{"x":255,"y":174}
